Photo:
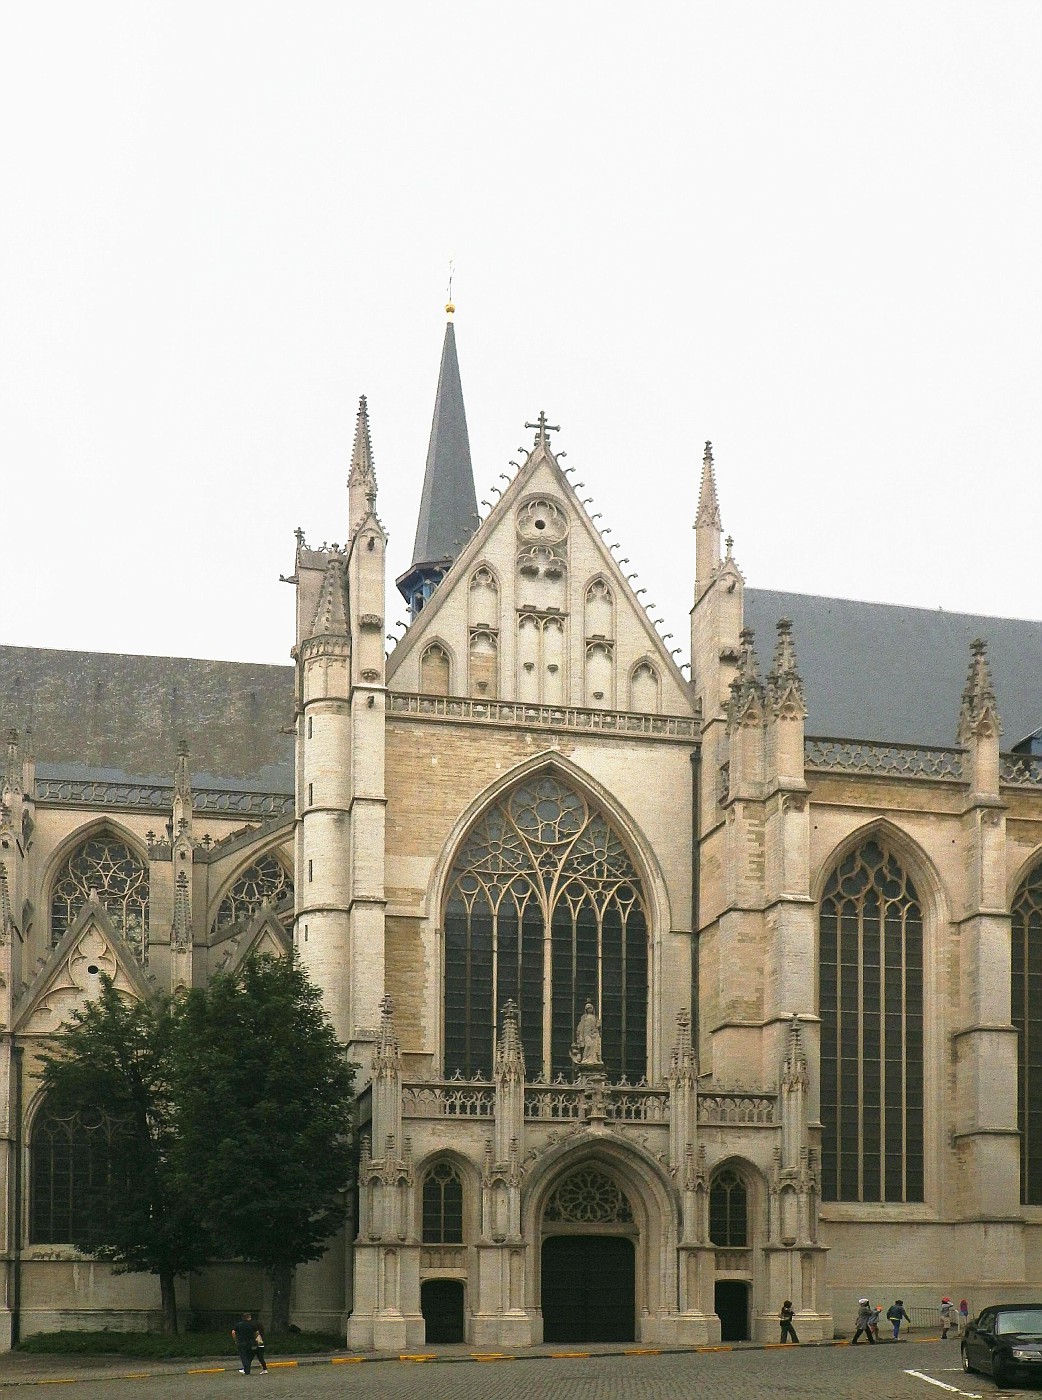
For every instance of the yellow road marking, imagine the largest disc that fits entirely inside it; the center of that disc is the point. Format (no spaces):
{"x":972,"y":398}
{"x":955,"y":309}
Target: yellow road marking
{"x":280,"y":1363}
{"x":346,"y":1360}
{"x":205,"y":1370}
{"x":568,"y":1355}
{"x":420,"y":1356}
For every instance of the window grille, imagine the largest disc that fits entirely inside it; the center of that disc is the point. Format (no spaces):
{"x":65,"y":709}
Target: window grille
{"x":106,"y":864}
{"x":546,"y":908}
{"x":1026,"y":989}
{"x":729,"y":1211}
{"x":265,"y":879}
{"x":442,"y":1205}
{"x":871,"y":1005}
{"x":75,"y":1176}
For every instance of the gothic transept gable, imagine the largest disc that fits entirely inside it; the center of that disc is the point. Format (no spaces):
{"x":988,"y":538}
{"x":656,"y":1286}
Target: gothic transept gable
{"x":264,"y":937}
{"x":70,"y":977}
{"x":537,"y":610}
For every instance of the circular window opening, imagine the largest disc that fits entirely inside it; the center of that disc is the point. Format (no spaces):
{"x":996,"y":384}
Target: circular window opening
{"x":540,"y":524}
{"x":93,"y":969}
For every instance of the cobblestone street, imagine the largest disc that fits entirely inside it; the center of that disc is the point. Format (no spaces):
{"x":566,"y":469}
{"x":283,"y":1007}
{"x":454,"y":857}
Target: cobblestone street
{"x":905,"y":1372}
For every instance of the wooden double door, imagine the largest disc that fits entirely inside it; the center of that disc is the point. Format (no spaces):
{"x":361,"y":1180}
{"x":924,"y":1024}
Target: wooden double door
{"x":588,"y":1289}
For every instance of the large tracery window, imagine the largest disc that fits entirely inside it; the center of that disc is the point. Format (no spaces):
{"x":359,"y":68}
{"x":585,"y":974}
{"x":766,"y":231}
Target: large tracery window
{"x":1026,"y":998}
{"x":74,"y":1176}
{"x":265,"y":879}
{"x":871,"y":1004}
{"x":107,"y":865}
{"x":442,"y":1205}
{"x":546,"y":908}
{"x":729,"y":1210}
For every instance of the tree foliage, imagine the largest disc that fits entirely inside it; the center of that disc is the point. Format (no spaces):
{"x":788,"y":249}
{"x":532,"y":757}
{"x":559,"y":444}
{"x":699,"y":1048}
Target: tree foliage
{"x":264,"y":1092}
{"x":115,"y":1057}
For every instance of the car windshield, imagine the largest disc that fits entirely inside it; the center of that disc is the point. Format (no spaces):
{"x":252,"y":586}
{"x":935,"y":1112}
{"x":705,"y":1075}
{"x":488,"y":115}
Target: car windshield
{"x":1020,"y":1320}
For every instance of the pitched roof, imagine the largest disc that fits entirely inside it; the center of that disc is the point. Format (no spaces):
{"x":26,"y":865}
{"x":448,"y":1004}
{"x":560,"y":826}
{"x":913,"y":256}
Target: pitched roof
{"x":449,"y":504}
{"x":885,"y":672}
{"x":126,"y":714}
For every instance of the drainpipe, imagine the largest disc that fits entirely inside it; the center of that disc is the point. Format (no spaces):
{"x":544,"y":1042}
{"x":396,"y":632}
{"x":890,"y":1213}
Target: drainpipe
{"x":696,"y":828}
{"x":16,"y":1212}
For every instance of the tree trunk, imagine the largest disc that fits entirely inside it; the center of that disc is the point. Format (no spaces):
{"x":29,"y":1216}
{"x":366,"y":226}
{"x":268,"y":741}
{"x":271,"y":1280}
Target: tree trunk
{"x":281,"y":1279}
{"x":169,"y":1297}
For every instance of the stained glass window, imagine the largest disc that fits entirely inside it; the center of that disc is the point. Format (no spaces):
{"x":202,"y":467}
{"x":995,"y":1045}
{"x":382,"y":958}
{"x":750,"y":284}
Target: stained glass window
{"x":265,"y":879}
{"x":870,"y":973}
{"x":74,"y":1176}
{"x":1026,"y":989}
{"x":589,"y":1195}
{"x":728,"y":1211}
{"x":442,"y":1205}
{"x":546,"y":908}
{"x":106,"y":864}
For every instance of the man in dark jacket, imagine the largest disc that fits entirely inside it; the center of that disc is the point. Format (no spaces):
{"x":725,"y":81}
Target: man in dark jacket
{"x":865,"y":1314}
{"x":249,"y":1339}
{"x":896,"y":1314}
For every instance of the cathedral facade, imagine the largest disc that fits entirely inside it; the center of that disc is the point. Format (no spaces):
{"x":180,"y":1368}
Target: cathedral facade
{"x":674,"y":996}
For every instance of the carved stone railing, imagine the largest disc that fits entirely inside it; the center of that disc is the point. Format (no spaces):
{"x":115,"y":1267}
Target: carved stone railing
{"x":554,"y":1102}
{"x":86,"y":792}
{"x":736,"y":1108}
{"x":1021,"y":769}
{"x":885,"y":760}
{"x":443,"y":1256}
{"x":522,"y":716}
{"x":637,"y":1105}
{"x":450,"y":1098}
{"x":616,"y":1103}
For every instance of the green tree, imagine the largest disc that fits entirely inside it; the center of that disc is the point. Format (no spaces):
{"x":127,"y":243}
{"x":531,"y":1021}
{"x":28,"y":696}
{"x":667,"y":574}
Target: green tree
{"x":115,"y":1058}
{"x":265,"y":1092}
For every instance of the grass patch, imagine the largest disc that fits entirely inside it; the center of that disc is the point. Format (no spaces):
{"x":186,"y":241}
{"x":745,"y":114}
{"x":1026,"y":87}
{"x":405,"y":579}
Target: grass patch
{"x":154,"y":1346}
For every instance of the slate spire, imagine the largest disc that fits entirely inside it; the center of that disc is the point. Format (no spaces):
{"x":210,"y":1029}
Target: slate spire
{"x":449,"y":504}
{"x":361,"y":477}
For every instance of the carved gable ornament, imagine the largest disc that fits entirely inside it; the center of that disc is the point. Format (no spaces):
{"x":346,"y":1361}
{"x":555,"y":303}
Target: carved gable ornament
{"x":589,"y":1196}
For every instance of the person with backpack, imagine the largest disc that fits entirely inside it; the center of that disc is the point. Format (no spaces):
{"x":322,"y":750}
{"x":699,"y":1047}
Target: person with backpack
{"x":788,"y":1332}
{"x":896,"y":1314}
{"x":949,"y":1318}
{"x":249,"y":1342}
{"x":865,"y":1314}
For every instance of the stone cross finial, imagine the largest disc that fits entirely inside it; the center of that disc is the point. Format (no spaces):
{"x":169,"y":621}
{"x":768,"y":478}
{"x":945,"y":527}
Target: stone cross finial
{"x":542,"y":428}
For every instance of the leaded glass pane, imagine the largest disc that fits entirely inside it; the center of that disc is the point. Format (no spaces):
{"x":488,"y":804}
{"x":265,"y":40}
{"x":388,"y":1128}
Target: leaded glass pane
{"x":728,"y":1211}
{"x":870,"y":990}
{"x":442,"y":1205}
{"x":74,"y":1176}
{"x":106,"y":865}
{"x":1026,"y":997}
{"x":545,"y":907}
{"x":265,"y":879}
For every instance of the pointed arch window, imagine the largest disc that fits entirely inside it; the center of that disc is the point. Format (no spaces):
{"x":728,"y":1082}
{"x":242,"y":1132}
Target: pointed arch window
{"x":589,"y":1195}
{"x":265,"y":880}
{"x":75,"y":1175}
{"x":105,"y":864}
{"x":729,"y":1210}
{"x":545,"y":906}
{"x":443,"y":1205}
{"x":870,"y":972}
{"x":1026,"y":999}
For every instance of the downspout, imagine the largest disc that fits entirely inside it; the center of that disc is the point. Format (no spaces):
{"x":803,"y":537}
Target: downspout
{"x":16,"y":1213}
{"x":696,"y":831}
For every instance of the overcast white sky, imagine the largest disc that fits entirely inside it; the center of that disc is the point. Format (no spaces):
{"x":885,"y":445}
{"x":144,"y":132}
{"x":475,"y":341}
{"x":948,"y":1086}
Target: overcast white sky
{"x":809,"y":232}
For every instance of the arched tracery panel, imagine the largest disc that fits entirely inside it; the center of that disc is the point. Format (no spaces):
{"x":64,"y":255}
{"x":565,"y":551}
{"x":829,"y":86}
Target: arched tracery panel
{"x":729,"y":1210}
{"x":103,"y":863}
{"x":443,"y":1205}
{"x":871,"y":1004}
{"x":75,"y":1174}
{"x":1026,"y":998}
{"x":265,"y":879}
{"x":589,"y":1195}
{"x":544,"y":906}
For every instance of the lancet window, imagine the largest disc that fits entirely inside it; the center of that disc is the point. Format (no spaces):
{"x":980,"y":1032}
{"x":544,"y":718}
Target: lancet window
{"x":546,"y":908}
{"x":729,"y":1210}
{"x":107,"y":865}
{"x":1026,"y":989}
{"x":265,"y":879}
{"x":74,"y":1176}
{"x":442,"y":1205}
{"x":871,"y":1004}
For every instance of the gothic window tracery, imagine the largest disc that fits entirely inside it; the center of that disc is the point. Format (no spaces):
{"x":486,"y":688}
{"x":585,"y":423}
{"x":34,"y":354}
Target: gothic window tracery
{"x":443,"y":1205}
{"x":435,"y":671}
{"x":729,"y":1210}
{"x":74,"y":1175}
{"x":265,"y":879}
{"x":588,"y":1196}
{"x":870,"y":974}
{"x":1026,"y":999}
{"x":107,"y":865}
{"x":545,"y":907}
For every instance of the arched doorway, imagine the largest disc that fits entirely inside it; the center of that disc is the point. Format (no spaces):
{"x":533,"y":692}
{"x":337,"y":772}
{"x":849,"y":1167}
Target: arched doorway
{"x":441,"y":1302}
{"x":589,"y":1289}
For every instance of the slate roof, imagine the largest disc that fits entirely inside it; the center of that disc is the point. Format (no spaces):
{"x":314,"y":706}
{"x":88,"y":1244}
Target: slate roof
{"x":124,"y":715}
{"x":449,"y":504}
{"x":880,"y":671}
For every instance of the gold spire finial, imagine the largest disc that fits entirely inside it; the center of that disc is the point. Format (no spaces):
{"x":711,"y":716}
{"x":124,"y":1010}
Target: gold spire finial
{"x":450,"y":305}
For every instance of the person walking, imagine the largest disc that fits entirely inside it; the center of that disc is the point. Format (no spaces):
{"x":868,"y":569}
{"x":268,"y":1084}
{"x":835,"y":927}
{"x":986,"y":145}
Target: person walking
{"x":865,"y":1314}
{"x":949,"y":1318}
{"x":896,"y":1314}
{"x":249,"y":1340}
{"x":788,"y":1332}
{"x":964,"y":1315}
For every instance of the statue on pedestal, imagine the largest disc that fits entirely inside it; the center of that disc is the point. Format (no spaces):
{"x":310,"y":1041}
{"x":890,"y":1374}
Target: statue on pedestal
{"x":586,"y":1049}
